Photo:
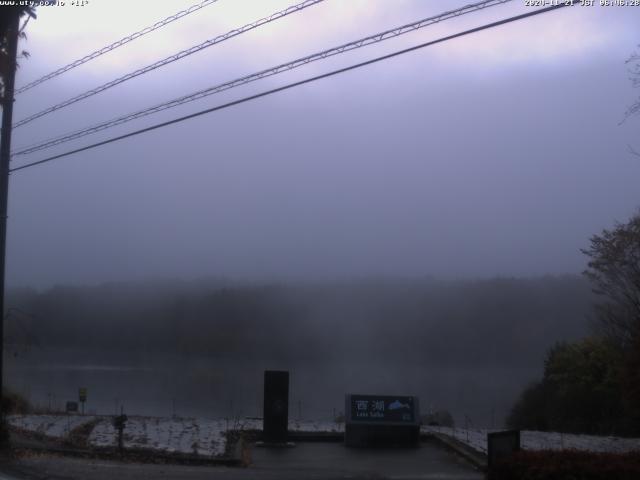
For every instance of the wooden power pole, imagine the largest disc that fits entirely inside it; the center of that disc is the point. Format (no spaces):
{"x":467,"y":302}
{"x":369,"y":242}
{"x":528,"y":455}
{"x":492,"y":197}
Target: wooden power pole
{"x":5,"y":154}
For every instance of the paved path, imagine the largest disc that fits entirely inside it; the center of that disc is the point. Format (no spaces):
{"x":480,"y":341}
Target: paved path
{"x":7,"y":477}
{"x":306,"y":460}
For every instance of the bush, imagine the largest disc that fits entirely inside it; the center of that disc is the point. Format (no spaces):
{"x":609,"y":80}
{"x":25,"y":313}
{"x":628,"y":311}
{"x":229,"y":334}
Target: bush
{"x":440,"y":418}
{"x":581,"y":392}
{"x":531,"y":410}
{"x":567,"y":465}
{"x":13,"y":403}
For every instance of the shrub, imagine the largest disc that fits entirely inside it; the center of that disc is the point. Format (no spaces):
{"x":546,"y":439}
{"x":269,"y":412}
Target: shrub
{"x":442,"y":418}
{"x":13,"y":403}
{"x":567,"y":465}
{"x":580,"y":393}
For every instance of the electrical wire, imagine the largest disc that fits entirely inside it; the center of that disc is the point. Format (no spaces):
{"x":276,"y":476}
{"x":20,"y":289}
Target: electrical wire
{"x":362,"y":42}
{"x":117,"y":44}
{"x":170,"y":59}
{"x":295,"y":84}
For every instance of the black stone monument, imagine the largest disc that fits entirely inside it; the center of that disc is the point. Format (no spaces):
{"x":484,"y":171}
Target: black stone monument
{"x":276,"y":407}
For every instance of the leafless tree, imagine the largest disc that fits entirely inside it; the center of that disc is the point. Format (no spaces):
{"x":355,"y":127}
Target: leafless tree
{"x":633,"y":63}
{"x":614,"y":270}
{"x":7,"y":15}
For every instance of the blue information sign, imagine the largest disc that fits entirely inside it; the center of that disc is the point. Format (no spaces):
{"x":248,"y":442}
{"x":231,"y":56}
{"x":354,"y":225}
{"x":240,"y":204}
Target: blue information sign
{"x":382,"y":408}
{"x":382,"y":420}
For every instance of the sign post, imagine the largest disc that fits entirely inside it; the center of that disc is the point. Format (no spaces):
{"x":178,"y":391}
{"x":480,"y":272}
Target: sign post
{"x":82,"y":396}
{"x":119,"y":423}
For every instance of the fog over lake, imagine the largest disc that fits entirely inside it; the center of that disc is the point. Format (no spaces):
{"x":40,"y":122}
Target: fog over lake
{"x":413,"y":227}
{"x":201,"y":349}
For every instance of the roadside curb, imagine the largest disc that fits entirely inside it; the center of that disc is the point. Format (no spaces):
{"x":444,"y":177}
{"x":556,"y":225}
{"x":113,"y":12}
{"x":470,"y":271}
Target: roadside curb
{"x":476,"y":458}
{"x":132,"y":455}
{"x":298,"y":436}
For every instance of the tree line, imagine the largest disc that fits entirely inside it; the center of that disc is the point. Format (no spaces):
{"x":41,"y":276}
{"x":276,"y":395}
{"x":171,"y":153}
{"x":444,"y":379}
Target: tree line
{"x":593,"y":385}
{"x":488,"y":322}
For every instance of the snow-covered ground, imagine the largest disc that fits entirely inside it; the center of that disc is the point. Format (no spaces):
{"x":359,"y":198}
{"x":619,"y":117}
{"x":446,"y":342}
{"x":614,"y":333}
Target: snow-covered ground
{"x":529,"y":440}
{"x":55,"y":426}
{"x":295,"y":425}
{"x":207,"y":437}
{"x":180,"y":435}
{"x":310,"y":426}
{"x":173,"y":435}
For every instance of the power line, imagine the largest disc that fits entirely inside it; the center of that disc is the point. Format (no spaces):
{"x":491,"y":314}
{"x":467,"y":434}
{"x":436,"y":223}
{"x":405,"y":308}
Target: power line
{"x":296,"y":84}
{"x":171,"y":59}
{"x":362,"y":42}
{"x":117,"y":44}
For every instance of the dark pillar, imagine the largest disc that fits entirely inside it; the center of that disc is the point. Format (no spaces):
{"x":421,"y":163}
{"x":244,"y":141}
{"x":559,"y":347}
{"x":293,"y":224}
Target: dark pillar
{"x":276,"y":406}
{"x":5,"y":155}
{"x":502,"y":445}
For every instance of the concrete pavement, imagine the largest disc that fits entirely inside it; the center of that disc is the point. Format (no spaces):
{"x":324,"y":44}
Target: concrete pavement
{"x":306,"y":460}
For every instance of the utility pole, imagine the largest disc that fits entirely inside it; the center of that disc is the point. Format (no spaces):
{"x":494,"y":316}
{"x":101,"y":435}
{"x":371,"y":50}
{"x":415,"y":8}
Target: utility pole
{"x":5,"y":154}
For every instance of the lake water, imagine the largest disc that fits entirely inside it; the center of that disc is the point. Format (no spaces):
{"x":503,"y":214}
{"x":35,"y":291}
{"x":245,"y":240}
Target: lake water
{"x":211,"y":387}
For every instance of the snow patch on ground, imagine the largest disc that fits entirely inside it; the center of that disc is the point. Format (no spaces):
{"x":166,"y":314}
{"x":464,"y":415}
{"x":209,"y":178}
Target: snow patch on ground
{"x":171,"y":435}
{"x":316,"y":427}
{"x":54,"y":426}
{"x":531,"y":440}
{"x":197,"y":436}
{"x":207,"y":437}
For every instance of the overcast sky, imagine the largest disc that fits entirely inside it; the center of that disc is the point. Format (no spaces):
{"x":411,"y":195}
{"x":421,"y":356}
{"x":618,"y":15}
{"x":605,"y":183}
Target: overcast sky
{"x":499,"y":153}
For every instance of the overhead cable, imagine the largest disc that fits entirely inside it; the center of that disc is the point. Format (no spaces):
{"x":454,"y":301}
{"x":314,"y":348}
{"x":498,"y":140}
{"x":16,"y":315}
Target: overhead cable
{"x":117,"y":44}
{"x":296,"y":84}
{"x":362,"y":42}
{"x":171,"y":59}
